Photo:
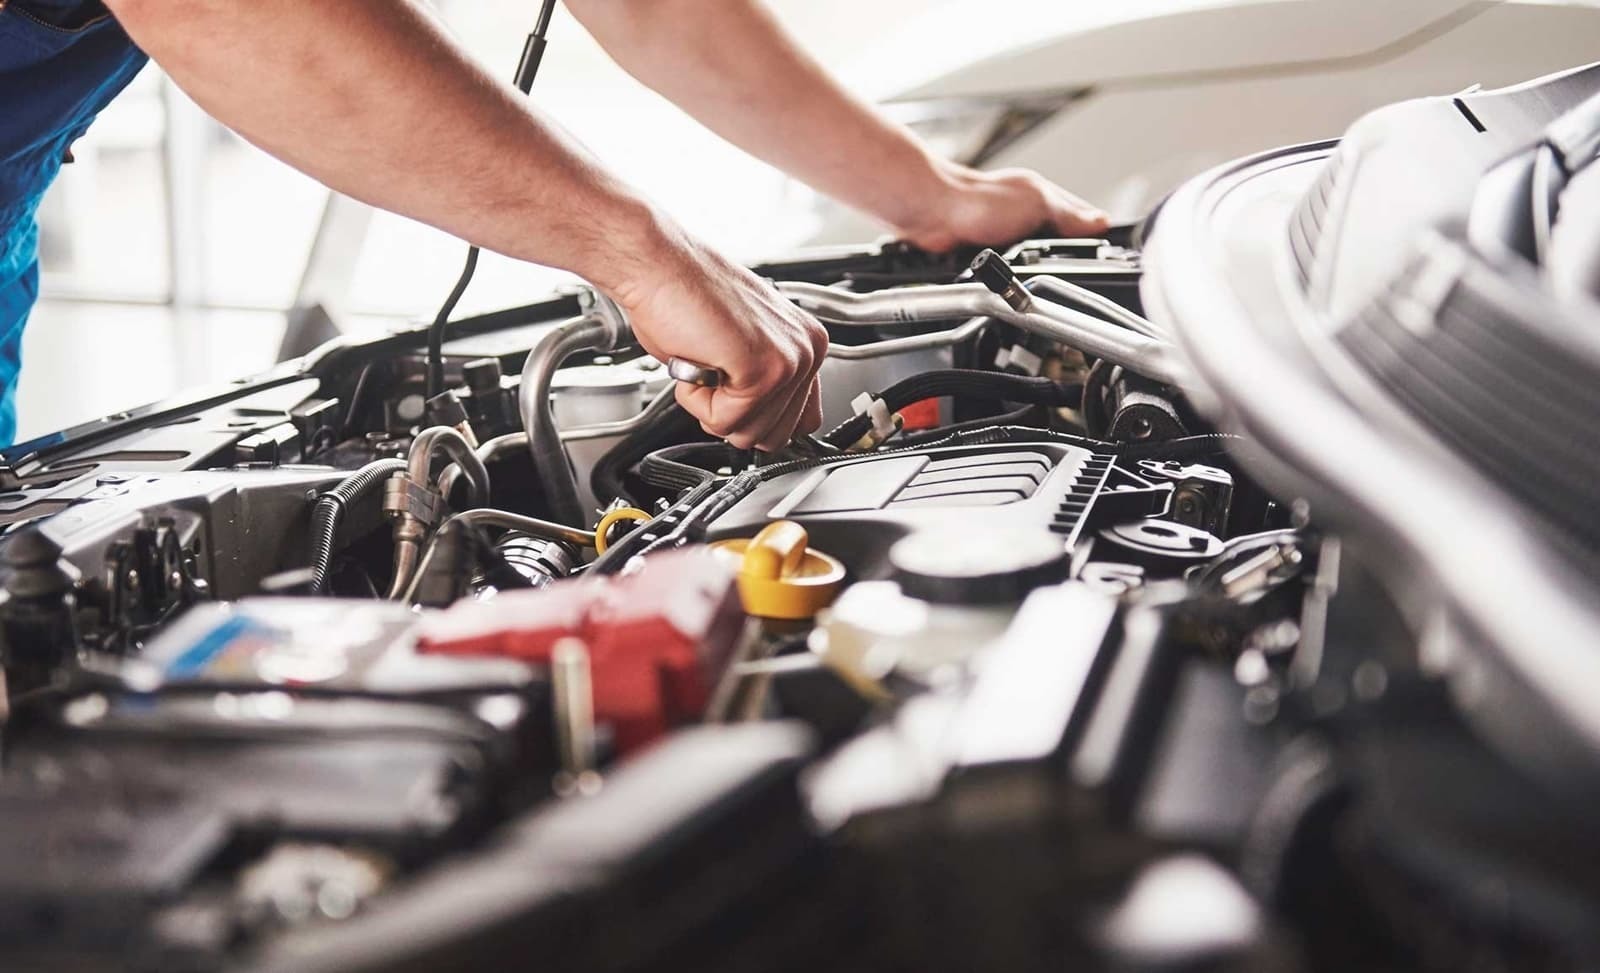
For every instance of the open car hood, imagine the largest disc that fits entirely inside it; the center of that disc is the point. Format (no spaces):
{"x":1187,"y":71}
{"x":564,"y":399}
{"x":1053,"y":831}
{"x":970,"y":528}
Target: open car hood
{"x":1268,"y":266}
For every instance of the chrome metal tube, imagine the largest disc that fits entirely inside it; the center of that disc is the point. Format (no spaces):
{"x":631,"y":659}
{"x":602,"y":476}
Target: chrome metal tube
{"x":406,"y":553}
{"x":1070,"y":293}
{"x":409,"y":531}
{"x":511,"y":442}
{"x":909,"y":343}
{"x":1151,"y":357}
{"x":447,"y":440}
{"x":899,"y":305}
{"x":603,"y":430}
{"x":574,"y":705}
{"x":548,"y":530}
{"x":550,"y":463}
{"x":941,"y":302}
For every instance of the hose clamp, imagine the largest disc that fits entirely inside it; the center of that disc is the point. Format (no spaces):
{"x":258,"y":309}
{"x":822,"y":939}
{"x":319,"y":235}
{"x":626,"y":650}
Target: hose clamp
{"x":408,"y":501}
{"x":619,"y":333}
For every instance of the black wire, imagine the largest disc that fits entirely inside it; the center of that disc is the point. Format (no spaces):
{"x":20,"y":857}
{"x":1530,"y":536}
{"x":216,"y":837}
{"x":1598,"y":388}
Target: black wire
{"x":442,"y":320}
{"x":960,"y":384}
{"x":527,"y":68}
{"x":355,"y":400}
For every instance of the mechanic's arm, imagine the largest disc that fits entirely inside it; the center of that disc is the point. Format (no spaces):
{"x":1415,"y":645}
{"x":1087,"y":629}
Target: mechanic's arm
{"x":372,"y":98}
{"x":731,"y":65}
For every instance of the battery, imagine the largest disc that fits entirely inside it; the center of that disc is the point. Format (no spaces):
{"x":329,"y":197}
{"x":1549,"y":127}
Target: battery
{"x":312,"y":719}
{"x":322,"y":645}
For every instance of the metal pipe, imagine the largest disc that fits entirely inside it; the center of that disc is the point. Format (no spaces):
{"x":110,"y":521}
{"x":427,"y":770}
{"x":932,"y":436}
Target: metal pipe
{"x":447,"y":440}
{"x":485,"y":517}
{"x":909,"y":343}
{"x":487,"y":452}
{"x":941,"y":302}
{"x":899,"y":305}
{"x":572,"y":692}
{"x":409,"y":531}
{"x":663,"y":401}
{"x":569,"y":676}
{"x":588,"y":333}
{"x":548,"y":530}
{"x":406,"y":553}
{"x":501,"y":446}
{"x":1150,"y":357}
{"x":1083,"y":297}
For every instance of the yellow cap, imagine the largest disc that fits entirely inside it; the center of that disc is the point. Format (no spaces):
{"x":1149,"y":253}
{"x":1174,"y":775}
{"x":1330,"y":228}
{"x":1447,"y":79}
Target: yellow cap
{"x":779,"y":576}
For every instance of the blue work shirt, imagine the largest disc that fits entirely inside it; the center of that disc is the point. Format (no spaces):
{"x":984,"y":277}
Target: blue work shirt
{"x":61,"y":61}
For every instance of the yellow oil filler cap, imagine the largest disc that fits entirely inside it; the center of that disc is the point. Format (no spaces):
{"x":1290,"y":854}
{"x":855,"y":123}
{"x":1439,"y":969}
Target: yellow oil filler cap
{"x":780,"y":576}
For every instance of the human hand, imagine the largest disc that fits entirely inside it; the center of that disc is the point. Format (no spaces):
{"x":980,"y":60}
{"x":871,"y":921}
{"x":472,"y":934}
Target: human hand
{"x":693,"y":303}
{"x":999,"y":207}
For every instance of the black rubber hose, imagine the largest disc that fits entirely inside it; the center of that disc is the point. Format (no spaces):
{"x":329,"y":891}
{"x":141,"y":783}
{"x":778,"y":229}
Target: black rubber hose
{"x":671,"y":427}
{"x":687,"y":465}
{"x":329,"y":511}
{"x":959,"y":383}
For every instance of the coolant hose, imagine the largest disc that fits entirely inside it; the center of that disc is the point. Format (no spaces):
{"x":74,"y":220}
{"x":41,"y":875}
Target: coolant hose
{"x":670,"y":425}
{"x":593,"y":332}
{"x":486,"y":452}
{"x":329,"y":511}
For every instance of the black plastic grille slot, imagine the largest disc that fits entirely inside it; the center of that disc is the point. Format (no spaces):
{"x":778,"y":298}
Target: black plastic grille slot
{"x":1085,"y":487}
{"x":986,"y":480}
{"x":1311,"y":217}
{"x":1501,"y":388}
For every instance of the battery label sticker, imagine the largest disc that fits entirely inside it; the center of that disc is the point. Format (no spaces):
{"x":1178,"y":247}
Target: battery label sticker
{"x":301,"y":645}
{"x":237,"y":635}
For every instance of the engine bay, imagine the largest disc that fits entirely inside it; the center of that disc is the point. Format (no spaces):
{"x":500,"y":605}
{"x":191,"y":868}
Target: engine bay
{"x":1017,"y":664}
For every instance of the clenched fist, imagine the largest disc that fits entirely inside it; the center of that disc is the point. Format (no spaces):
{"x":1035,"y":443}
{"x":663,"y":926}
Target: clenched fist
{"x":694,"y":303}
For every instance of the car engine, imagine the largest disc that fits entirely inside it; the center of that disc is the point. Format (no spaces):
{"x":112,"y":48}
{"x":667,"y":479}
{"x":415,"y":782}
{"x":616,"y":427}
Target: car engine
{"x":1038,"y":655}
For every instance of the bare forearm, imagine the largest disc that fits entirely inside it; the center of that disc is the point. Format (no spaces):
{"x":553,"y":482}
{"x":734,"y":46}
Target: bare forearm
{"x":733,"y":67}
{"x":374,"y":99}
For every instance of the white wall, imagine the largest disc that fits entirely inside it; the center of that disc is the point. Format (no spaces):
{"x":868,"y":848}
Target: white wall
{"x":108,"y":234}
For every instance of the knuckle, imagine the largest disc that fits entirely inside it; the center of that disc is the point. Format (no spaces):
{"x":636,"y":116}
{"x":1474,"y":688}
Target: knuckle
{"x":785,"y":368}
{"x":780,"y":369}
{"x":804,"y":358}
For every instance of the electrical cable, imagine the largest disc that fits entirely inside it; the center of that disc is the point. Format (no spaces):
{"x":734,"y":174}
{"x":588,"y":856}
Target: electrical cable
{"x":329,"y":511}
{"x":527,"y":70}
{"x":958,"y":383}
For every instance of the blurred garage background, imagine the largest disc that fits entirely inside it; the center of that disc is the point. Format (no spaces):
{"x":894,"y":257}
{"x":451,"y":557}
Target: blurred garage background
{"x":174,"y":253}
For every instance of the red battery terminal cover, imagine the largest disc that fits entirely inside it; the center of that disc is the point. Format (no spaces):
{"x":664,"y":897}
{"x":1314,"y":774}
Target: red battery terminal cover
{"x":657,"y":638}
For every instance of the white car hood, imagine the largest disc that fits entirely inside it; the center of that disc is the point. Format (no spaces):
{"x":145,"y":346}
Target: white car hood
{"x":1022,"y":46}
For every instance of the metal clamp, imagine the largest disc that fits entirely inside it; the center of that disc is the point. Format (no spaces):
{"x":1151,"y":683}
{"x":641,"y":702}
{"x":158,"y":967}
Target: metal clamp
{"x":405,"y":498}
